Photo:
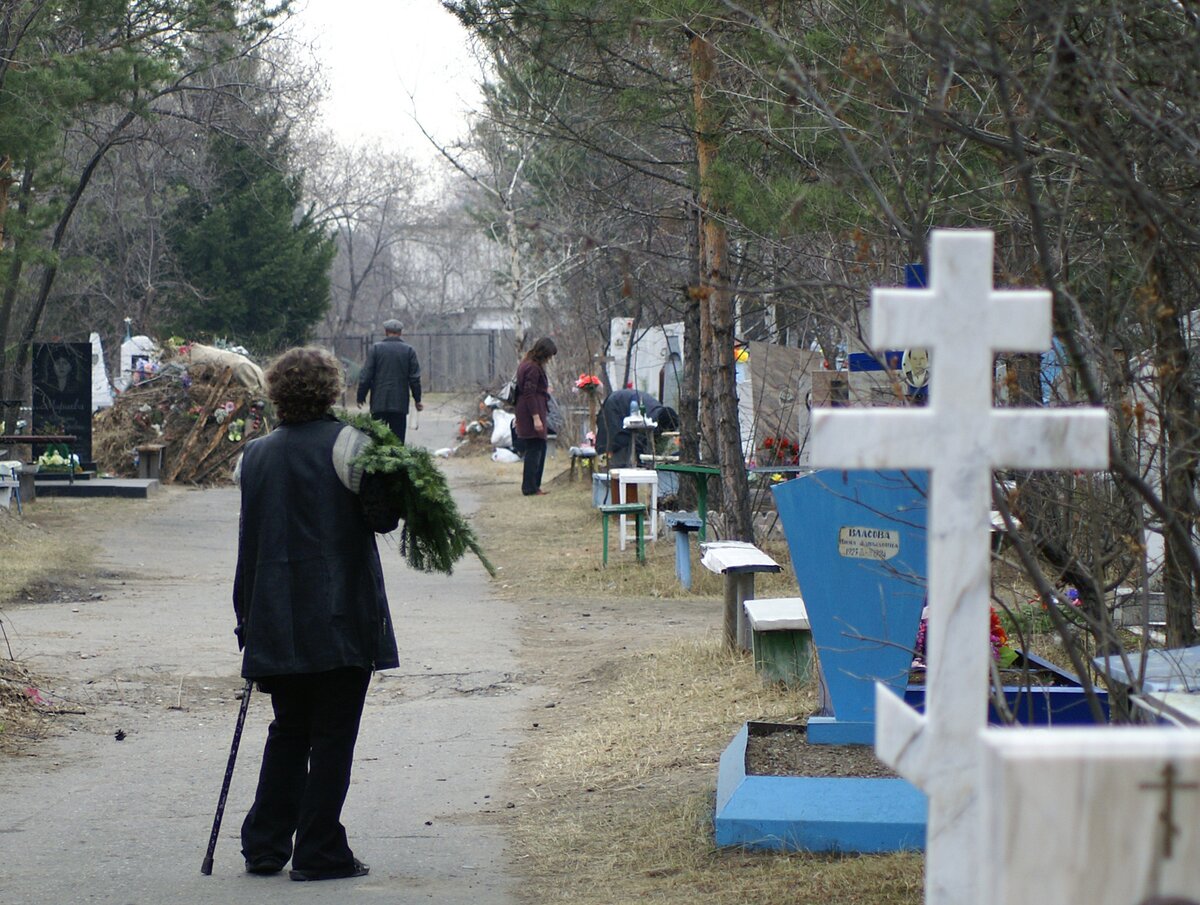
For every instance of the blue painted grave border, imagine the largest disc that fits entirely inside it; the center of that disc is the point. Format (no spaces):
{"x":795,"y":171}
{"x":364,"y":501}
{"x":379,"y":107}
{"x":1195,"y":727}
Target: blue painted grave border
{"x":816,"y":814}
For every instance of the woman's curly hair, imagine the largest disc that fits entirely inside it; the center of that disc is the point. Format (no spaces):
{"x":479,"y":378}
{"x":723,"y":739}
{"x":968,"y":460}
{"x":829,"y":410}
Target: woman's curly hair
{"x":303,"y":383}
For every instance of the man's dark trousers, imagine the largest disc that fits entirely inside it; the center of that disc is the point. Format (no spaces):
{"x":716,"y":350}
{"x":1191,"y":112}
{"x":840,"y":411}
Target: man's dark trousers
{"x":397,"y":421}
{"x":305,"y":771}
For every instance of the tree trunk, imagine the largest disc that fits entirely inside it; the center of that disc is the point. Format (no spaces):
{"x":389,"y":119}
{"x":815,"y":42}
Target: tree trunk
{"x":1178,"y":407}
{"x":10,"y":380}
{"x":51,"y":271}
{"x":718,"y":300}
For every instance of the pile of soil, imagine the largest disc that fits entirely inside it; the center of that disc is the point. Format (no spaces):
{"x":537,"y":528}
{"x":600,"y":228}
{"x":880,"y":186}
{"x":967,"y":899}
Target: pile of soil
{"x":20,"y":703}
{"x":782,"y":749}
{"x":202,"y":415}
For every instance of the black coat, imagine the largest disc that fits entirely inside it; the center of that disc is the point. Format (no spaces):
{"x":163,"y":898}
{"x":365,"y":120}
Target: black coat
{"x":389,"y":374}
{"x":613,"y":439}
{"x":309,"y":591}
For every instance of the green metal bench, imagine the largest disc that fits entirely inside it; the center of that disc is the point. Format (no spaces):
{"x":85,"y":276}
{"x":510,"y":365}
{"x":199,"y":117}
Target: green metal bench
{"x":638,"y":511}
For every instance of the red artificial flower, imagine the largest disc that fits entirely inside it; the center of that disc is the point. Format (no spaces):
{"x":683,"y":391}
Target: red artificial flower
{"x":998,"y":634}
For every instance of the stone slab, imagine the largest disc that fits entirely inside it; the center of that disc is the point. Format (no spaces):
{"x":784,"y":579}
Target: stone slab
{"x":127,"y":488}
{"x":1103,"y":816}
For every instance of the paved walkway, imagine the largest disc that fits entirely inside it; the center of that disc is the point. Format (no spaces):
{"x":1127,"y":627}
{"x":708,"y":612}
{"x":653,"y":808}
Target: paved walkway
{"x":87,"y":818}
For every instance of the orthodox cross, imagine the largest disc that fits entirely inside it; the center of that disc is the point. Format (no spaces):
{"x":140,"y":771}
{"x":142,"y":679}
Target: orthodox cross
{"x":963,"y":321}
{"x":1170,"y":785}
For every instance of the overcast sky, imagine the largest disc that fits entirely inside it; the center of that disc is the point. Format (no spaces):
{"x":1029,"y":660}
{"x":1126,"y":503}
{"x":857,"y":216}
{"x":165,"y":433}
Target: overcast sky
{"x":377,"y":53}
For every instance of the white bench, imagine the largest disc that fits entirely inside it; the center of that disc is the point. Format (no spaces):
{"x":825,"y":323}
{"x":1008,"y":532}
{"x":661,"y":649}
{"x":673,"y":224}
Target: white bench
{"x":781,"y":639}
{"x":10,"y":485}
{"x":738,"y":561}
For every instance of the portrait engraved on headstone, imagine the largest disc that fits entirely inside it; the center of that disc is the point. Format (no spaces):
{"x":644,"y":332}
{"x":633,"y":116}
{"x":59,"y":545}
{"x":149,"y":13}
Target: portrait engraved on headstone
{"x":62,"y":394}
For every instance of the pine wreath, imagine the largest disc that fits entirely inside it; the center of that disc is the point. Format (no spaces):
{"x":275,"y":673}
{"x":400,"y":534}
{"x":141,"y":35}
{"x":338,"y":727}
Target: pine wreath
{"x":435,"y":534}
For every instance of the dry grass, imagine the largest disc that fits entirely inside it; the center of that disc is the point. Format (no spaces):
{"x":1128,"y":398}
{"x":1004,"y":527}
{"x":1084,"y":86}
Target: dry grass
{"x":658,"y":711}
{"x":38,"y":557}
{"x":564,"y":528}
{"x":619,"y":804}
{"x":616,"y":788}
{"x":31,"y":551}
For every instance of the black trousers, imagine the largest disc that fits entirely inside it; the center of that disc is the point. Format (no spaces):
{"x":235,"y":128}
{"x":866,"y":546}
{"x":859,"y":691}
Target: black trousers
{"x":305,"y":770}
{"x":397,"y":421}
{"x":535,"y":464}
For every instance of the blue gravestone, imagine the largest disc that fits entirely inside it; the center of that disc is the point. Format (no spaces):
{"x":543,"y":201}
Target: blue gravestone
{"x":857,"y":541}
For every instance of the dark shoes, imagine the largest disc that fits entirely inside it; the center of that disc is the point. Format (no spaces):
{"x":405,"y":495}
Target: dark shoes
{"x":264,"y":866}
{"x":357,"y":869}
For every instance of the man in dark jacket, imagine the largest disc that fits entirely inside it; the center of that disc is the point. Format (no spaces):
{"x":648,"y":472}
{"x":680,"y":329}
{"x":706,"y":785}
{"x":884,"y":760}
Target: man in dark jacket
{"x":313,"y":617}
{"x":614,"y":440}
{"x":389,"y":374}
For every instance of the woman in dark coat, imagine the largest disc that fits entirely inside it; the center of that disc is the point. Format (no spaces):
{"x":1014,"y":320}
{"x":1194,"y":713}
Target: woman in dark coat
{"x":312,"y":616}
{"x":533,"y":407}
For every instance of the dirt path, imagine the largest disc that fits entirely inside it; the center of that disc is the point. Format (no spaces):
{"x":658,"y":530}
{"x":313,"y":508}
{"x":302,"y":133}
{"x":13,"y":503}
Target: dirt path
{"x":142,"y":642}
{"x":117,"y":805}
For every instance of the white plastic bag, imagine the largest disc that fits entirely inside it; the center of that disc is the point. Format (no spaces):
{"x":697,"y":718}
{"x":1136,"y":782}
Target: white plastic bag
{"x":505,"y":455}
{"x":502,"y":429}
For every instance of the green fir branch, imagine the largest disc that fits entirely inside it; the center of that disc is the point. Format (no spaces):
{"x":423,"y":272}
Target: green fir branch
{"x":436,"y":535}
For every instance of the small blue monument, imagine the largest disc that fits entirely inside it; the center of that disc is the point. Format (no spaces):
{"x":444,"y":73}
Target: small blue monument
{"x":857,"y":540}
{"x":858,"y":544}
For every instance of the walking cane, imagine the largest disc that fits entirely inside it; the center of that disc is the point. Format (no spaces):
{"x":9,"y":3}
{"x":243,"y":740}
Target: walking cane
{"x":206,"y":867}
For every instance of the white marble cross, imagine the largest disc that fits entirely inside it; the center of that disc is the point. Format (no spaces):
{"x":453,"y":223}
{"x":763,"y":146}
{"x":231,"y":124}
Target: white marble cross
{"x":963,"y":321}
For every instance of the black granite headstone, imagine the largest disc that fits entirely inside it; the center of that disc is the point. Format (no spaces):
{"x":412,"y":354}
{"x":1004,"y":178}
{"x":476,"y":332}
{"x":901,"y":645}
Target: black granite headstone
{"x":62,"y":394}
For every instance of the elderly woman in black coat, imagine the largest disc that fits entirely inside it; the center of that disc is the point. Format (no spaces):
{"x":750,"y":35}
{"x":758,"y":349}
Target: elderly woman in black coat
{"x":312,"y":616}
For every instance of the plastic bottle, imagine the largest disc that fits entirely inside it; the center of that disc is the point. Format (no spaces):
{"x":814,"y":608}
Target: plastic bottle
{"x":633,"y":406}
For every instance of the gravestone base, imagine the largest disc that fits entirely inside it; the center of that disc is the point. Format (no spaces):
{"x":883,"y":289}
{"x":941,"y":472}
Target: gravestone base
{"x":815,"y":814}
{"x":829,"y":730}
{"x":47,"y":474}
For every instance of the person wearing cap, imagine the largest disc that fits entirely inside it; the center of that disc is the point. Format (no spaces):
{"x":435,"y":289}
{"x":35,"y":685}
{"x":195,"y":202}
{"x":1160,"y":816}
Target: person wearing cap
{"x":391,"y":373}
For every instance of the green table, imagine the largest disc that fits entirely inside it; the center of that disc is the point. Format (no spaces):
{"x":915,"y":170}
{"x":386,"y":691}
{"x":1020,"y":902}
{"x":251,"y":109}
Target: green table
{"x":700,"y":475}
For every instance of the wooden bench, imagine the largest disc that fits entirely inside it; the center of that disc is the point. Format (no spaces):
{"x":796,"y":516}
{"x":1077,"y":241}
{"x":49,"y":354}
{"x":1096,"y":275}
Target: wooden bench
{"x":10,"y":485}
{"x":581,"y":456}
{"x":781,"y":639}
{"x":621,"y":510}
{"x":150,"y":459}
{"x":738,"y":561}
